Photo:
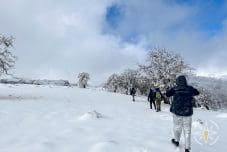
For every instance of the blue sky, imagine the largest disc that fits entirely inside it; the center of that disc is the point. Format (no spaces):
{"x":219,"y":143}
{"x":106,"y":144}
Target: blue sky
{"x":59,"y":39}
{"x":209,"y":15}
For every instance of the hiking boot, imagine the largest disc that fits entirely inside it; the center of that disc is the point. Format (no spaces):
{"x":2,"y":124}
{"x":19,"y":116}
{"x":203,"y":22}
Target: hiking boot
{"x":176,"y":143}
{"x":187,"y":150}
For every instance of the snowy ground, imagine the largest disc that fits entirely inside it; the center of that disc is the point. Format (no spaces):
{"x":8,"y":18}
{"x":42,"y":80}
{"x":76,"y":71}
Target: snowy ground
{"x":66,"y":119}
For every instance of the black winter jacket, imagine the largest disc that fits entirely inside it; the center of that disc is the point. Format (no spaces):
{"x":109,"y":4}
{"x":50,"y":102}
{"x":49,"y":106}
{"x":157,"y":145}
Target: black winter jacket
{"x":132,"y":91}
{"x":151,"y":96}
{"x":182,"y":104}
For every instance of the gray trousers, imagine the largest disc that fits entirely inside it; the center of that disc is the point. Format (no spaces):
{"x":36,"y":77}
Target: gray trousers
{"x":184,"y":124}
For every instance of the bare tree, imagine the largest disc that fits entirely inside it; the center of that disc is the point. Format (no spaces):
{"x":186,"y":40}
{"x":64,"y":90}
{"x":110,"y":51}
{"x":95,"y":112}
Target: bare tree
{"x":7,"y":59}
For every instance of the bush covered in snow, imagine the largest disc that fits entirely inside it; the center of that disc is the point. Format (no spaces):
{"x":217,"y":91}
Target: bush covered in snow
{"x":15,"y":80}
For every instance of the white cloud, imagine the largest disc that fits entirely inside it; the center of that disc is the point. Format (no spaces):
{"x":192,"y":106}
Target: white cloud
{"x":58,"y":39}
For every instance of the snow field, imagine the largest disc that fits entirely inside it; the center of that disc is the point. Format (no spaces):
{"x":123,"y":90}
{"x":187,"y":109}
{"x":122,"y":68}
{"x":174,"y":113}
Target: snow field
{"x":66,"y":119}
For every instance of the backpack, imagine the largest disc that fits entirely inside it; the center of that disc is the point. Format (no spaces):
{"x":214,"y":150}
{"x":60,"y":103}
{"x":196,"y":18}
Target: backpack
{"x":158,"y":96}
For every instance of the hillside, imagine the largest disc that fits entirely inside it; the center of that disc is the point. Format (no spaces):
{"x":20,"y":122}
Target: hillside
{"x":69,"y":119}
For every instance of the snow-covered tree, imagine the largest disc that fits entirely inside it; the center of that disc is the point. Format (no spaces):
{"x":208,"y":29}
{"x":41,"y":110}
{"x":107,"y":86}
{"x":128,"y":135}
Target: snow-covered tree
{"x":112,"y":83}
{"x":129,"y":79}
{"x":211,"y":98}
{"x":122,"y":82}
{"x":143,"y":84}
{"x":204,"y":99}
{"x":212,"y":92}
{"x":130,"y":76}
{"x":7,"y":59}
{"x":83,"y":79}
{"x":162,"y":67}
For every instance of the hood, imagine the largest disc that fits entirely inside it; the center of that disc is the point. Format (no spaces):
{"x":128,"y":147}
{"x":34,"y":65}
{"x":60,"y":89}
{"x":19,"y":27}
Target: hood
{"x":181,"y":81}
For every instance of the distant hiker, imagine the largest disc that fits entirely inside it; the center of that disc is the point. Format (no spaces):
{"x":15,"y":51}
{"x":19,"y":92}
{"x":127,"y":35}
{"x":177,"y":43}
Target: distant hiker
{"x":182,"y":109}
{"x":133,"y":93}
{"x":158,"y":98}
{"x":151,"y":98}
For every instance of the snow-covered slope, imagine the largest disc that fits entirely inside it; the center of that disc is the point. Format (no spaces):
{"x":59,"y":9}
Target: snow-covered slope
{"x":69,"y":119}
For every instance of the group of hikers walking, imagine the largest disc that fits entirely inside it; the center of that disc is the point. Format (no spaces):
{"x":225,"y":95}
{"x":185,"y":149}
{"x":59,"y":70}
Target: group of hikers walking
{"x":155,"y":97}
{"x":181,"y":107}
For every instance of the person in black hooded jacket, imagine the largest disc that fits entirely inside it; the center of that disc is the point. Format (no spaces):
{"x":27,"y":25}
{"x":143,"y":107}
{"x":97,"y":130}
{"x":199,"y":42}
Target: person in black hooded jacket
{"x":151,"y":98}
{"x":182,"y":109}
{"x":133,"y":93}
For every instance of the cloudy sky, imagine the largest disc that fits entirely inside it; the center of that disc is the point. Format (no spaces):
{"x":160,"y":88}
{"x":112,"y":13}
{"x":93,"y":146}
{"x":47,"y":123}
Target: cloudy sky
{"x":57,"y":39}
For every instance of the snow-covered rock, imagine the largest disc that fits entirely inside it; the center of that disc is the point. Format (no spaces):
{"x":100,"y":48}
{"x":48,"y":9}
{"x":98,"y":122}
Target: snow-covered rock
{"x":91,"y":115}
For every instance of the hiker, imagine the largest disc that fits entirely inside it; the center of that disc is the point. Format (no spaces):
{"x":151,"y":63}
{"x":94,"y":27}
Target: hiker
{"x":133,"y":93}
{"x":158,"y":98}
{"x":151,"y":98}
{"x":182,"y":109}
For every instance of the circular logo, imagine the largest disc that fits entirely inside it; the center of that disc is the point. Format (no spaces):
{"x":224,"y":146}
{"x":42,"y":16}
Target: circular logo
{"x":206,"y":133}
